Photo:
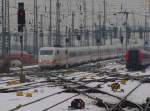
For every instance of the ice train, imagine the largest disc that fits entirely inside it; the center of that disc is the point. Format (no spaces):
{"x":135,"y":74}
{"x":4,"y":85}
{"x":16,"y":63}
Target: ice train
{"x":60,"y":56}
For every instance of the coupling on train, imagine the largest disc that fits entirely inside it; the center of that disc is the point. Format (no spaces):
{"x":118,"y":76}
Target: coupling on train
{"x":137,"y":59}
{"x":57,"y":56}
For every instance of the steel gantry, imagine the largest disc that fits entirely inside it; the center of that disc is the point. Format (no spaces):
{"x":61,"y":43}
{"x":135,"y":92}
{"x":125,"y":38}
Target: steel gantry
{"x":5,"y":28}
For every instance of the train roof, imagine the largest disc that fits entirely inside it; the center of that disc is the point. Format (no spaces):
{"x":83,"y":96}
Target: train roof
{"x":86,"y":47}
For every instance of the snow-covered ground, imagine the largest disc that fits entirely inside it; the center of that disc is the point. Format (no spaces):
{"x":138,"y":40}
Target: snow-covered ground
{"x":141,"y":94}
{"x":9,"y":101}
{"x":25,"y":67}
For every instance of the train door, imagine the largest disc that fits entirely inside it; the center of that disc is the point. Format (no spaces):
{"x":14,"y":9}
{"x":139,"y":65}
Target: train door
{"x":133,"y":59}
{"x":57,"y":56}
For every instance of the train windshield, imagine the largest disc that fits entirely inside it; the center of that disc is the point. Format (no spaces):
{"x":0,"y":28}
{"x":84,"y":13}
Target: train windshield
{"x":46,"y":52}
{"x":132,"y":55}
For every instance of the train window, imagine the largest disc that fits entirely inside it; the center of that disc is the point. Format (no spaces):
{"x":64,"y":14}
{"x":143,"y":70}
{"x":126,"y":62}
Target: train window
{"x":66,"y":51}
{"x":57,"y":52}
{"x":46,"y":52}
{"x":132,"y":54}
{"x":72,"y":54}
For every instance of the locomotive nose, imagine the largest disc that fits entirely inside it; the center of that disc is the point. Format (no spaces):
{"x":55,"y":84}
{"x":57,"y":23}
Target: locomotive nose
{"x":133,"y":58}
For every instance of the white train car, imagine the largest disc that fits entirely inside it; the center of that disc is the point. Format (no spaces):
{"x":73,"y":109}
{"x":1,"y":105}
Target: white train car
{"x":57,"y":56}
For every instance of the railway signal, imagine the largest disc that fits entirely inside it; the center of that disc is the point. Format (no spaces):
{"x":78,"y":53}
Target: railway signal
{"x":21,"y":24}
{"x":21,"y":17}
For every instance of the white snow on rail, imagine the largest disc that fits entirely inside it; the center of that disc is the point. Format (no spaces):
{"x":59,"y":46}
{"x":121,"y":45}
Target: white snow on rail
{"x":25,"y":67}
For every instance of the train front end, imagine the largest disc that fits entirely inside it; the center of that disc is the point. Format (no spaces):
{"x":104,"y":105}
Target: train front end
{"x":133,"y":58}
{"x":46,"y":57}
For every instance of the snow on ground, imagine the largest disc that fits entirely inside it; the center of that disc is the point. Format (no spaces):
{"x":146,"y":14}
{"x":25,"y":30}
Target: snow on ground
{"x":84,"y":76}
{"x":89,"y":105}
{"x":141,"y":94}
{"x":4,"y":85}
{"x":105,"y":98}
{"x":25,"y":67}
{"x":77,"y":75}
{"x":135,"y":73}
{"x":94,"y":84}
{"x":10,"y":100}
{"x":5,"y":78}
{"x":41,"y":105}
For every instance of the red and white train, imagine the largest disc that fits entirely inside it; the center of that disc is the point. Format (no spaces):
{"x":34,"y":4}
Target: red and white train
{"x":57,"y":56}
{"x":15,"y":58}
{"x":137,"y":59}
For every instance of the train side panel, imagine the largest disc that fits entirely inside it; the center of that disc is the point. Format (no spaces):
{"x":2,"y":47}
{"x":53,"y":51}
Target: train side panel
{"x":77,"y":55}
{"x":137,"y":59}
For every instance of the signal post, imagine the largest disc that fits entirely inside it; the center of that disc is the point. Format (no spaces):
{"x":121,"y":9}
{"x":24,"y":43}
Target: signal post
{"x":21,"y":24}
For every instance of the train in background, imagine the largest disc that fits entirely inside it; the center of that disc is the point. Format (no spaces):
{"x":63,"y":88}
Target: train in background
{"x":59,"y":56}
{"x":137,"y":58}
{"x":16,"y":59}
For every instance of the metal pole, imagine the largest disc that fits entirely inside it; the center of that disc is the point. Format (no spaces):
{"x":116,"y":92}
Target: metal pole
{"x":100,"y":31}
{"x":72,"y":35}
{"x":146,"y":39}
{"x":69,"y":38}
{"x":25,"y":38}
{"x":126,"y":30}
{"x":121,"y":40}
{"x":8,"y":38}
{"x":57,"y":23}
{"x":66,"y":41}
{"x":3,"y":30}
{"x":50,"y":24}
{"x":104,"y":24}
{"x":41,"y":31}
{"x":22,"y":75}
{"x":84,"y":23}
{"x":134,"y":27}
{"x":35,"y":30}
{"x":93,"y":42}
{"x":66,"y":33}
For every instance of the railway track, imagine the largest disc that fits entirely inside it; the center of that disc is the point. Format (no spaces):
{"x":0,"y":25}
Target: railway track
{"x":62,"y":80}
{"x":107,"y":105}
{"x":123,"y":100}
{"x":46,"y":97}
{"x":29,"y":103}
{"x":20,"y":87}
{"x":60,"y":102}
